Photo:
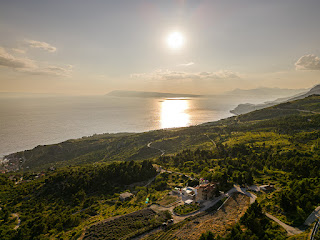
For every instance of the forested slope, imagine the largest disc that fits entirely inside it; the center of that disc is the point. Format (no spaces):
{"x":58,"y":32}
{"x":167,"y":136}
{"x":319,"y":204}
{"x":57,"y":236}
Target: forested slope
{"x":299,"y":115}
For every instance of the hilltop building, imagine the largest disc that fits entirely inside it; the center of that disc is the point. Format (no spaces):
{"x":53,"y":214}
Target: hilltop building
{"x":205,"y":192}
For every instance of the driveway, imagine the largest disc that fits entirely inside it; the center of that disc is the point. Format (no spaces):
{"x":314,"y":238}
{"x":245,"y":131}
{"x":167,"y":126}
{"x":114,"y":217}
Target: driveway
{"x":313,"y":216}
{"x":290,"y":230}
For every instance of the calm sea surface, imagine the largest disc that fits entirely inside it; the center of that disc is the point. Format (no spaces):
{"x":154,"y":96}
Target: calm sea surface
{"x":28,"y":122}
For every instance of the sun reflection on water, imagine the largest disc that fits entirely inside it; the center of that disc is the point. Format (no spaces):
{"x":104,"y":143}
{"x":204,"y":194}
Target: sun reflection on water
{"x":173,"y":113}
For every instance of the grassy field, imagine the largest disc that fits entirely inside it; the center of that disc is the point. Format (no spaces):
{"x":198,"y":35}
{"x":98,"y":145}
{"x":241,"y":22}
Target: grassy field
{"x":167,"y":199}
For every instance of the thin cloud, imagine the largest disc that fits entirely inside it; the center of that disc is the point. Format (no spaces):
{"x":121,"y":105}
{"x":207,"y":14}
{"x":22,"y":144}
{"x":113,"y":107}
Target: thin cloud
{"x":7,"y":60}
{"x":41,"y":45}
{"x":308,"y":62}
{"x":18,"y":50}
{"x":51,"y":71}
{"x":185,"y":64}
{"x":29,"y":66}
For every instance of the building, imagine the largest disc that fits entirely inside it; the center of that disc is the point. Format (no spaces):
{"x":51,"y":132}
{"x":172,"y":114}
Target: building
{"x":188,"y":202}
{"x":125,"y":196}
{"x":188,"y":193}
{"x":205,"y":192}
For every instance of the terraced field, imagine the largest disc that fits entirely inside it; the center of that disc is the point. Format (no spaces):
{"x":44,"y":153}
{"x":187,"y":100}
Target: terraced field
{"x":126,"y":226}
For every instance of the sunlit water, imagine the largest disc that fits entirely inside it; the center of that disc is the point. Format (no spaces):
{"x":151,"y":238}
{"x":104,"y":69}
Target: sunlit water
{"x":174,"y":113}
{"x":28,"y":122}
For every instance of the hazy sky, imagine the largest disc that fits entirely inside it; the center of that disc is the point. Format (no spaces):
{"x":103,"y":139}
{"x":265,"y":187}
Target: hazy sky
{"x":93,"y":47}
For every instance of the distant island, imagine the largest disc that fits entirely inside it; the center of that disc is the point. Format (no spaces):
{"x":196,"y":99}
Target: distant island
{"x":141,"y":94}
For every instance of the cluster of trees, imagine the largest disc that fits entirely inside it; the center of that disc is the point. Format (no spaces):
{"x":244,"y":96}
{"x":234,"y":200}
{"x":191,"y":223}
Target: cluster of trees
{"x":239,"y":162}
{"x":227,"y":170}
{"x":299,"y":197}
{"x":95,"y":178}
{"x":185,"y":209}
{"x":257,"y":227}
{"x":66,"y":197}
{"x":161,"y":182}
{"x":295,"y":155}
{"x":208,"y":236}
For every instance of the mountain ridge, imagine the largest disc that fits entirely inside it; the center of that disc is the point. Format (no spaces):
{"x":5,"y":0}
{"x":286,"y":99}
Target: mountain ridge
{"x":249,"y":107}
{"x":134,"y":146}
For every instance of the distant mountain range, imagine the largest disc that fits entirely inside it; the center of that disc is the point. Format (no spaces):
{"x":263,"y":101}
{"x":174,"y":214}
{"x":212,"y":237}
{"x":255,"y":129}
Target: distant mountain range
{"x":271,"y":92}
{"x":141,"y":94}
{"x":248,"y":107}
{"x":277,"y":92}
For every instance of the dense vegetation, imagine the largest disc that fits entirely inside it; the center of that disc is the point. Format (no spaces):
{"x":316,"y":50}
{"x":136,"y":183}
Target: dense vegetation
{"x":127,"y":226}
{"x":66,"y":197}
{"x":278,"y":145}
{"x":254,"y":225}
{"x":186,"y":209}
{"x":287,"y":118}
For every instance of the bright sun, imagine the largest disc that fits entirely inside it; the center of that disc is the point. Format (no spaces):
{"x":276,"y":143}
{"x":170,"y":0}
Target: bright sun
{"x":175,"y":40}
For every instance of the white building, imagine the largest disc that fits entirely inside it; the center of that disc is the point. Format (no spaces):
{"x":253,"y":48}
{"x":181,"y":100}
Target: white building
{"x":188,"y":193}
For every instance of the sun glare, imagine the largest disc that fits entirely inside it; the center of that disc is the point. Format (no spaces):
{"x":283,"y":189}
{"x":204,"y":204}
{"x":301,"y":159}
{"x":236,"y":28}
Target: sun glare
{"x":173,"y":113}
{"x":175,"y":40}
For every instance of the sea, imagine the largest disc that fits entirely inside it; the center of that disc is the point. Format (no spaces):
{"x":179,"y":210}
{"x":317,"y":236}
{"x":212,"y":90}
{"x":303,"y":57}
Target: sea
{"x":26,"y":122}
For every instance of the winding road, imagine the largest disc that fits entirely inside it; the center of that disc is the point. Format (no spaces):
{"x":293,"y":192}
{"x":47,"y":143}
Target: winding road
{"x":16,"y":215}
{"x":290,"y":230}
{"x":213,"y":142}
{"x":162,"y":151}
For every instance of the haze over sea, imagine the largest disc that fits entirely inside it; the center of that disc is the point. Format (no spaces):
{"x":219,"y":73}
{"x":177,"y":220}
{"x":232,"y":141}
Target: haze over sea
{"x":30,"y":121}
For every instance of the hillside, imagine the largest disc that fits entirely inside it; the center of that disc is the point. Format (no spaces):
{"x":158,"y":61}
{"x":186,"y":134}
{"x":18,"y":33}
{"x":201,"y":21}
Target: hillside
{"x":272,"y":92}
{"x":248,"y":107}
{"x":278,"y":145}
{"x":117,"y":147}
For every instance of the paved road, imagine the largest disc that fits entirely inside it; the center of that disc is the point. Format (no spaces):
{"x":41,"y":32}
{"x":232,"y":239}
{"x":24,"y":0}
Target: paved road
{"x":313,"y":216}
{"x":315,"y":230}
{"x":243,"y":191}
{"x":290,"y":230}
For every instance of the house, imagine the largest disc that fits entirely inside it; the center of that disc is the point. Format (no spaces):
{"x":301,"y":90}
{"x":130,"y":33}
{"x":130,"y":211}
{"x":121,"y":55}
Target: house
{"x":125,"y":196}
{"x":205,"y":191}
{"x":189,"y":193}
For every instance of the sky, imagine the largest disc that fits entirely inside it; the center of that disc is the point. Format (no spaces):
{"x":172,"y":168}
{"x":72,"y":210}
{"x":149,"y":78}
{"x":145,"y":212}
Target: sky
{"x":82,"y":47}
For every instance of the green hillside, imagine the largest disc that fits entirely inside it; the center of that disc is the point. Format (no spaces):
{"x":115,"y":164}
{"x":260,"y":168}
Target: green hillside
{"x":278,"y":145}
{"x":293,"y":116}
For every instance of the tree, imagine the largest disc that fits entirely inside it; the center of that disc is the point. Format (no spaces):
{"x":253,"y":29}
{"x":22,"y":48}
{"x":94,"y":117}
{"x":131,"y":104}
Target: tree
{"x":207,"y":236}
